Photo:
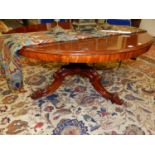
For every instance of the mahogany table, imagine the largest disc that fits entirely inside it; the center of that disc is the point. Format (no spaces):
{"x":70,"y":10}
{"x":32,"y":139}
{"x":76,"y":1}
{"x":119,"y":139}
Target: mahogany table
{"x":80,"y":52}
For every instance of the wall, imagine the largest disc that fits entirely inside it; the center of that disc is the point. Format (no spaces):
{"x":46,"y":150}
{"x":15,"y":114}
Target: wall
{"x":149,"y":25}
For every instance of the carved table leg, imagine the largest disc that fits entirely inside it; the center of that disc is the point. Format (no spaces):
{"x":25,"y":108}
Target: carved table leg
{"x":58,"y":79}
{"x":83,"y":70}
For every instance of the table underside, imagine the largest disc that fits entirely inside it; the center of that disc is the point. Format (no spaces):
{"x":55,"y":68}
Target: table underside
{"x":84,"y":70}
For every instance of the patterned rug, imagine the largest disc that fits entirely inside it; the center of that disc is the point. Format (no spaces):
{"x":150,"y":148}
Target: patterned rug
{"x":76,"y":108}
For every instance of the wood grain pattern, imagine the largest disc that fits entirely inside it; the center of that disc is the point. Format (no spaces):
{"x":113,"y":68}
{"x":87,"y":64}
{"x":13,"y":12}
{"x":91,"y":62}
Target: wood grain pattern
{"x":94,"y":50}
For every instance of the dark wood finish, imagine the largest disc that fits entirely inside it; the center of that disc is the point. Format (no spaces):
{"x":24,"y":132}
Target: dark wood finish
{"x":83,"y":70}
{"x":25,"y":22}
{"x":135,"y":22}
{"x":94,"y":50}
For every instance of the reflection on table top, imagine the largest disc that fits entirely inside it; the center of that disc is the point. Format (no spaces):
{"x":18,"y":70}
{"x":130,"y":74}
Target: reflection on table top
{"x":99,"y":49}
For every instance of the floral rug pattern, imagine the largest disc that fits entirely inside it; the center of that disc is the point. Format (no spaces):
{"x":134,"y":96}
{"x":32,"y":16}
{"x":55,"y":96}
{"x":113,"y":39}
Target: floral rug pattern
{"x":76,"y":108}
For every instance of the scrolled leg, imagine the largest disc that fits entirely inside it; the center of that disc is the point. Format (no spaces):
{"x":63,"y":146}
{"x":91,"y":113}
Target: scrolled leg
{"x":83,"y":70}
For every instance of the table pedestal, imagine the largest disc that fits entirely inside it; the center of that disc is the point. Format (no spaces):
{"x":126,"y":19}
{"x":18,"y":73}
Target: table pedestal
{"x":83,"y":70}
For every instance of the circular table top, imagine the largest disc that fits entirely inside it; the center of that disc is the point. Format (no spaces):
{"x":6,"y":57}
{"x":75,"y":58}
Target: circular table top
{"x":91,"y":50}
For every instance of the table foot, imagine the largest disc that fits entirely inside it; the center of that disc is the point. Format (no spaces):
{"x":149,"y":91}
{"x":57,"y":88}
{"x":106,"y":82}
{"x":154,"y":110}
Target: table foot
{"x":81,"y":69}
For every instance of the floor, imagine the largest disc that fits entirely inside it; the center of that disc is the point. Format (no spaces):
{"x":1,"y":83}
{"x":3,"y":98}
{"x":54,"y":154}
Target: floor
{"x":76,"y":108}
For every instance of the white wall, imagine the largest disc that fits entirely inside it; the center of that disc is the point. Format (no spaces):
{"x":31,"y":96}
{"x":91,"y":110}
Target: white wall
{"x":149,"y":25}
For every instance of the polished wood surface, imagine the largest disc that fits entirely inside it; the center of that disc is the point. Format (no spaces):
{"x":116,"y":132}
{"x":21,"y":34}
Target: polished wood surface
{"x":83,"y":70}
{"x":93,"y":50}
